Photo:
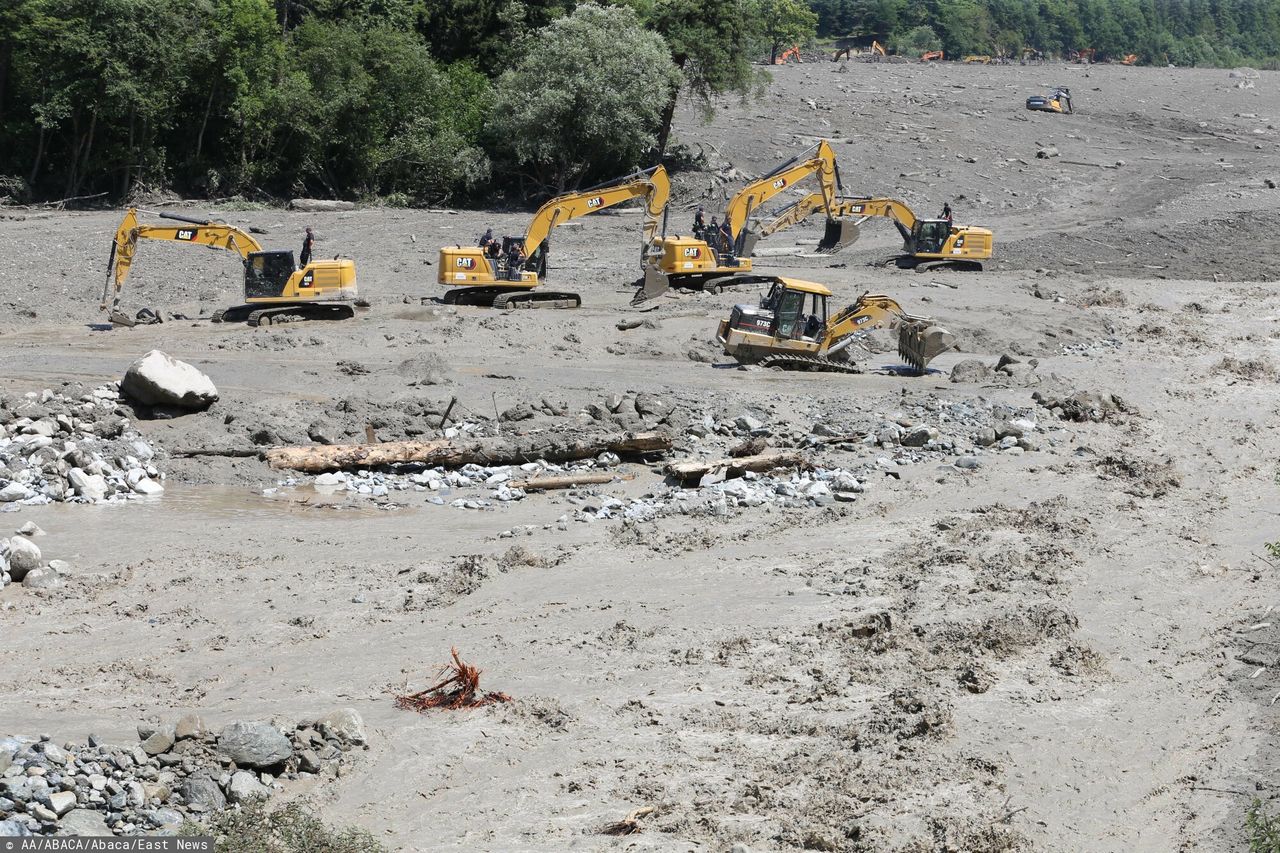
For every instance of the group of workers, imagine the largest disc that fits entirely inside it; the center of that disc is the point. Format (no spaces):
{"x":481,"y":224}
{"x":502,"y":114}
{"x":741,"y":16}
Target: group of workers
{"x":516,"y":256}
{"x":717,"y":235}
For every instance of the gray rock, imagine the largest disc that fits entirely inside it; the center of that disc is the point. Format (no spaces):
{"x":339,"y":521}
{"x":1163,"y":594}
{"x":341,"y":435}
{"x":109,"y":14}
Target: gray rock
{"x":308,"y":761}
{"x":24,"y":556}
{"x":161,"y":740}
{"x":985,"y":437}
{"x":919,"y":436}
{"x":42,"y":813}
{"x":971,"y":370}
{"x":343,"y":725}
{"x":62,"y":802}
{"x":13,"y":828}
{"x":158,"y":379}
{"x":968,"y":462}
{"x":86,"y":485}
{"x":202,"y":793}
{"x":189,"y":726}
{"x":746,"y":423}
{"x":651,"y":405}
{"x":14,"y":492}
{"x":253,"y":744}
{"x":83,"y":821}
{"x":43,"y":579}
{"x":244,"y":786}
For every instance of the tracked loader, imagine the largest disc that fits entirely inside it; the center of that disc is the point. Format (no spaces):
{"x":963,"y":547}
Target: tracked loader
{"x":790,"y":330}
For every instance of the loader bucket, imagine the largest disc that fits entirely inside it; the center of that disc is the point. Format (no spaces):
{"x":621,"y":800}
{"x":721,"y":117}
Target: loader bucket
{"x":920,"y":342}
{"x":839,"y":233}
{"x":655,"y":284}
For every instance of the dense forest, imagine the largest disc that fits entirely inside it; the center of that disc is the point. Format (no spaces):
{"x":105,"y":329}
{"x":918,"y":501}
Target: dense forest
{"x":468,"y":101}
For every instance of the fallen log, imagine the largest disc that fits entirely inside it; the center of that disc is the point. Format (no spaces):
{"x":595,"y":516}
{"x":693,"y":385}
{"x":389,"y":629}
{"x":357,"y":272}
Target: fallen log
{"x":319,"y":205}
{"x":568,"y":481}
{"x":229,"y":452}
{"x":697,"y":468}
{"x":503,"y":450}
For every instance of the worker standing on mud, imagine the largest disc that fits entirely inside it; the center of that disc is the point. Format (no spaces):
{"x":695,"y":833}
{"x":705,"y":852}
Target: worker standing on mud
{"x":726,"y":237}
{"x":307,"y":241}
{"x":700,"y":223}
{"x":946,"y":211}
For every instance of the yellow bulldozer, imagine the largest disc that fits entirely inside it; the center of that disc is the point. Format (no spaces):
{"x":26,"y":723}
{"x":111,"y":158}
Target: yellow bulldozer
{"x":276,"y":289}
{"x":790,"y":330}
{"x":722,"y":257}
{"x":507,"y":274}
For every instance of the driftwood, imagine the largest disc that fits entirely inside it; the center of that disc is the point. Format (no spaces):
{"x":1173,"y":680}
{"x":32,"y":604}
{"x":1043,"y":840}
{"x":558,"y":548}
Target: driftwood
{"x":319,"y":205}
{"x":230,"y":452}
{"x":504,"y":450}
{"x":698,"y":468}
{"x":568,"y":481}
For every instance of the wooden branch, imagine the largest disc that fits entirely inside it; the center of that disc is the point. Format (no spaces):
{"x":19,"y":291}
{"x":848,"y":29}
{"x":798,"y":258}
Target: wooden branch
{"x":231,"y":452}
{"x":319,"y":205}
{"x":568,"y":481}
{"x":697,"y":468}
{"x":503,"y":450}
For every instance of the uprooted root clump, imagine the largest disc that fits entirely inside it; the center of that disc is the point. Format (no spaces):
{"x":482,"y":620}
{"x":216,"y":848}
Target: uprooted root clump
{"x":457,"y":686}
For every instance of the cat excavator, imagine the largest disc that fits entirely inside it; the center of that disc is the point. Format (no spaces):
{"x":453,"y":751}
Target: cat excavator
{"x":1057,"y":101}
{"x":275,"y":288}
{"x":724,"y":258}
{"x":927,"y":243}
{"x":509,"y":275}
{"x":790,"y":330}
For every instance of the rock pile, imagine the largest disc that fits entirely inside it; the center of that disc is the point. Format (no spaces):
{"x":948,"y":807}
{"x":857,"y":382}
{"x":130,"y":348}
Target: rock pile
{"x":175,"y":774}
{"x":21,"y":561}
{"x":76,"y":445}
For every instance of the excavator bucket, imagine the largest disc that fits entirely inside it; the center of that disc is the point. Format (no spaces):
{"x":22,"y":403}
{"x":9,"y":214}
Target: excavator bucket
{"x":655,"y":284}
{"x":920,"y":342}
{"x":839,"y":233}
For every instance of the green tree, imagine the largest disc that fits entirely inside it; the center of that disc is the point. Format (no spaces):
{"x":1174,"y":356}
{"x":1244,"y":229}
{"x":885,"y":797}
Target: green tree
{"x":586,"y":98}
{"x":710,"y":44}
{"x":784,"y":23}
{"x":918,"y":40}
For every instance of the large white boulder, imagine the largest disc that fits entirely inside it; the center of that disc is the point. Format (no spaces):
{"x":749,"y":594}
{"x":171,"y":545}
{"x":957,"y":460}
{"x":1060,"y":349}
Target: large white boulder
{"x":158,"y":379}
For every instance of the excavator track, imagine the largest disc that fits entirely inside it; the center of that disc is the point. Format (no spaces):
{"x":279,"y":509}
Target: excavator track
{"x":907,"y":262}
{"x":504,"y":297}
{"x":300,"y":312}
{"x":812,"y":363}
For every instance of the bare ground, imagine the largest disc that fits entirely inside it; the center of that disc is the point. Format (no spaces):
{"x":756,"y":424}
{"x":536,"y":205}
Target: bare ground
{"x":1055,"y":651}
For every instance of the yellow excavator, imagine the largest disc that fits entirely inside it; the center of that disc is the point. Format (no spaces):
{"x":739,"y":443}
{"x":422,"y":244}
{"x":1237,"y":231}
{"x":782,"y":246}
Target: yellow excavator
{"x":1057,"y":101}
{"x":790,"y":330}
{"x":507,"y":274}
{"x":927,"y":243}
{"x":723,"y":258}
{"x":275,"y":288}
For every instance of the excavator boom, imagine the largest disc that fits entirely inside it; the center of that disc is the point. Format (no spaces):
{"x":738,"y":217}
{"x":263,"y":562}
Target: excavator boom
{"x":840,"y":231}
{"x":651,"y":184}
{"x":198,"y":231}
{"x":822,"y":163}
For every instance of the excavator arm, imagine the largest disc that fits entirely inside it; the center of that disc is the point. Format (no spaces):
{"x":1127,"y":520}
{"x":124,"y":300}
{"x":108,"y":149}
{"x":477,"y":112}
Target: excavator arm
{"x":202,"y":232}
{"x":652,"y":185}
{"x":820,"y":161}
{"x":920,"y":339}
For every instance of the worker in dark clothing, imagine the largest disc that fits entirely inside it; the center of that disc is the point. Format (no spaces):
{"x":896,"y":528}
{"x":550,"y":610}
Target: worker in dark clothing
{"x":515,"y":260}
{"x":307,"y":242}
{"x":699,"y":223}
{"x":946,"y":212}
{"x":712,"y":235}
{"x":726,"y":237}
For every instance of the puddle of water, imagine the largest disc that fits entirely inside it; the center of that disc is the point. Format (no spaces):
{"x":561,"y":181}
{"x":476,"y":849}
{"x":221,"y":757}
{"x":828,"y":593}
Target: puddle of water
{"x":234,"y":503}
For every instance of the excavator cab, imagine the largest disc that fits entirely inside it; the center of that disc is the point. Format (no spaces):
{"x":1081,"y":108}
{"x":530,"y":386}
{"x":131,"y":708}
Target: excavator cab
{"x":930,"y":235}
{"x":266,"y":274}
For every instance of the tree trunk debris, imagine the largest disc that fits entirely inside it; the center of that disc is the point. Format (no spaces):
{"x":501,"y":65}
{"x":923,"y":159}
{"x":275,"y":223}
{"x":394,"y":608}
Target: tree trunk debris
{"x":697,"y":468}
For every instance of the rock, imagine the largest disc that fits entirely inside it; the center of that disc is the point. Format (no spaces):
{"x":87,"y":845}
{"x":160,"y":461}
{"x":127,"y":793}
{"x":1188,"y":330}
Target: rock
{"x":253,"y":744}
{"x":157,"y":379}
{"x":161,"y":740}
{"x":308,"y":761}
{"x":62,"y":802}
{"x":13,"y":828}
{"x":968,"y":463}
{"x":189,"y":726}
{"x":147,"y":486}
{"x":23,"y":557}
{"x":43,"y":578}
{"x":746,"y":423}
{"x":202,"y":793}
{"x":971,"y":370}
{"x":30,"y":529}
{"x":42,"y":813}
{"x":83,"y":822}
{"x":1046,"y":152}
{"x":1004,"y":429}
{"x":14,"y":492}
{"x":919,"y":436}
{"x":244,"y":787}
{"x":985,"y":437}
{"x":90,"y":486}
{"x":343,"y":725}
{"x":651,"y":405}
